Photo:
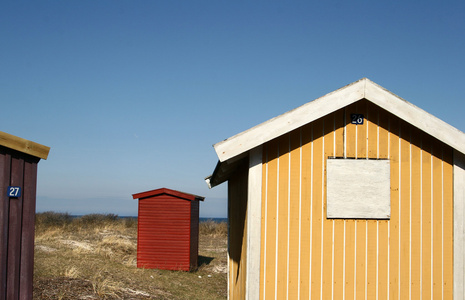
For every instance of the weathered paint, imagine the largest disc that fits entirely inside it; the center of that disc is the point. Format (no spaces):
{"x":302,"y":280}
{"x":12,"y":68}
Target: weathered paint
{"x":305,"y":255}
{"x":168,"y":230}
{"x":358,"y":188}
{"x":17,"y":218}
{"x":459,"y":224}
{"x":254,"y":204}
{"x":418,"y":253}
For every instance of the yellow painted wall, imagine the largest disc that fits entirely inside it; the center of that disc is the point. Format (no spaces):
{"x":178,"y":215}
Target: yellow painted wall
{"x":304,"y":255}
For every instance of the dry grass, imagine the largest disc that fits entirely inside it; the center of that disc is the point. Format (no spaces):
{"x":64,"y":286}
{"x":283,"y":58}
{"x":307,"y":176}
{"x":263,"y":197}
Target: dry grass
{"x":94,"y":257}
{"x":214,"y":229}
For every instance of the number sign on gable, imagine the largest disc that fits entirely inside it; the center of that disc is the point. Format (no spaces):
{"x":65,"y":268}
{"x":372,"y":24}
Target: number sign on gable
{"x":14,"y":191}
{"x":356,"y":119}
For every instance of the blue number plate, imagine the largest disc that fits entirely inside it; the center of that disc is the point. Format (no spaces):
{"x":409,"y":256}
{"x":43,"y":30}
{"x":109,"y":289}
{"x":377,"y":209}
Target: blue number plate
{"x":14,"y":191}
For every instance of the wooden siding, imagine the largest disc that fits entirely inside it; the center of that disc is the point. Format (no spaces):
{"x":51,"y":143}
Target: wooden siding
{"x":17,"y":218}
{"x":304,"y":255}
{"x":194,"y":235}
{"x":164,"y":233}
{"x":237,"y":233}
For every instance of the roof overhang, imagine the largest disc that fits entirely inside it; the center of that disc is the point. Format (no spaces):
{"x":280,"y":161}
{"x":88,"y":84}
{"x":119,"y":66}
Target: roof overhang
{"x":364,"y":88}
{"x":223,"y":170}
{"x":23,"y":145}
{"x":166,"y":191}
{"x":309,"y":112}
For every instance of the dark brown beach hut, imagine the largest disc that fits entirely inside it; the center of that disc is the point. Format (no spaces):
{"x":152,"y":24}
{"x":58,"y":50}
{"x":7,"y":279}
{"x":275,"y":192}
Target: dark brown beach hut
{"x":168,"y":230}
{"x":18,"y":178}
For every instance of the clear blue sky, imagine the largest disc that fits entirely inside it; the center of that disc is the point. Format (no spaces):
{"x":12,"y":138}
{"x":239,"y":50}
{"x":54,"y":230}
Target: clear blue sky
{"x":131,"y":95}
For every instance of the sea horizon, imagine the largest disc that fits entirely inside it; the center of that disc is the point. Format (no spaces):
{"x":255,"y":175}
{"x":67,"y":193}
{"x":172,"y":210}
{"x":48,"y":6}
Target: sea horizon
{"x":201,"y":219}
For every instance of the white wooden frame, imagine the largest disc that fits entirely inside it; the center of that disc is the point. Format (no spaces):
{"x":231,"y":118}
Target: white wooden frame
{"x":254,"y":211}
{"x":459,"y":225}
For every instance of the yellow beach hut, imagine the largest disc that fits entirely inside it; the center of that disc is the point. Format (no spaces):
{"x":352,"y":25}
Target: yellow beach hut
{"x":358,"y":194}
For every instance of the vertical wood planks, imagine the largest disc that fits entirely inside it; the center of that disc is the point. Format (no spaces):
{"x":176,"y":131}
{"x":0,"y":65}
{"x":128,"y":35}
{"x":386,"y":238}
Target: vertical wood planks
{"x":437,"y":216}
{"x":328,"y":228}
{"x":415,"y":206}
{"x":305,"y":255}
{"x":371,"y":151}
{"x":294,"y":217}
{"x":282,"y":216}
{"x":17,"y":219}
{"x":305,"y":212}
{"x":194,"y":235}
{"x":448,"y":222}
{"x":269,"y":222}
{"x":383,"y":226}
{"x":404,"y":206}
{"x":5,"y":166}
{"x":14,"y":232}
{"x":394,"y":229}
{"x":317,"y":212}
{"x":426,"y":219}
{"x":28,"y":221}
{"x":339,"y":240}
{"x":351,"y":240}
{"x":237,"y":216}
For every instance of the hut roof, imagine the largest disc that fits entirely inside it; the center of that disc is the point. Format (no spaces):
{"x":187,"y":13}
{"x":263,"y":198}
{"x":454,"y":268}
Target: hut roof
{"x":234,"y":148}
{"x":166,"y":191}
{"x":23,"y":145}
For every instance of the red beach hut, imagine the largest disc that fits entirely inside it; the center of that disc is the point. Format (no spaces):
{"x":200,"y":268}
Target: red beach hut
{"x":168,"y":230}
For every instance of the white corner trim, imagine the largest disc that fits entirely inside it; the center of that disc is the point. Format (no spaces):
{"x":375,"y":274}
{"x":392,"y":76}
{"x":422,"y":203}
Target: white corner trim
{"x":254,"y":210}
{"x":459,"y":226}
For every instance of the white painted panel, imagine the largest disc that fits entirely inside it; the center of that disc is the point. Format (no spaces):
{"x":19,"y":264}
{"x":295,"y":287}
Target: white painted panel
{"x":459,"y":225}
{"x":358,"y":189}
{"x":254,"y":216}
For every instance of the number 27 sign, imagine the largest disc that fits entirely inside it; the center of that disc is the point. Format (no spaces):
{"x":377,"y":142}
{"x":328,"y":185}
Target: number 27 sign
{"x":14,"y":191}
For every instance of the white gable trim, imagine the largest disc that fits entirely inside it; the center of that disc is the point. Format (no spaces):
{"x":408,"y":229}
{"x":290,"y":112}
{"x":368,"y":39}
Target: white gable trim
{"x":415,"y":116}
{"x":364,"y":88}
{"x":287,"y":122}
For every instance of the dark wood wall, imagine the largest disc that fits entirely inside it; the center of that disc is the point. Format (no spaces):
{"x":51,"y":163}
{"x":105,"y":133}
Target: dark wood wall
{"x":17,"y":218}
{"x":194,"y":236}
{"x":237,"y":231}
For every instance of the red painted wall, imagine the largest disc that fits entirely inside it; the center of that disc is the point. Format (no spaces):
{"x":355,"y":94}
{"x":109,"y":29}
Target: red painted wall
{"x":167,"y":230}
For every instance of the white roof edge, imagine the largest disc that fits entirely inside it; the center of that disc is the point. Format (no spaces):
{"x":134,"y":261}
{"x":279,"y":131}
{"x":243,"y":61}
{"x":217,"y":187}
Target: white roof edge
{"x":415,"y":116}
{"x":289,"y":121}
{"x":363,"y":88}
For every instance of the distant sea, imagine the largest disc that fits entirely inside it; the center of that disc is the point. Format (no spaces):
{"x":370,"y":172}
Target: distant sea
{"x":217,"y":220}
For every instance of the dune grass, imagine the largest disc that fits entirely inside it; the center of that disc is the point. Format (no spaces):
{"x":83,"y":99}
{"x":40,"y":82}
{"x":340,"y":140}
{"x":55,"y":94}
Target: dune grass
{"x":94,"y":257}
